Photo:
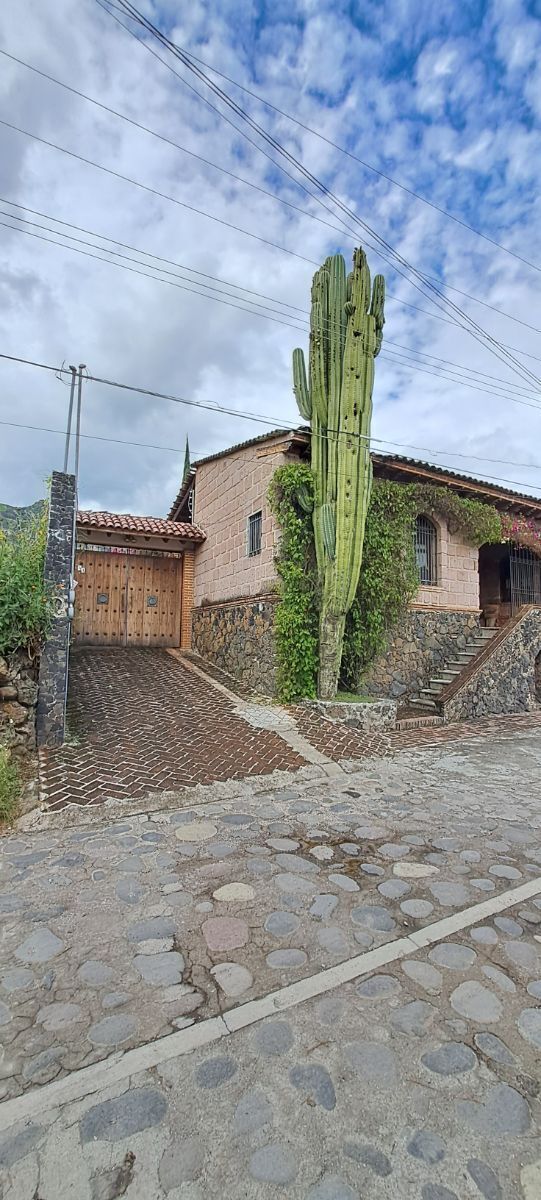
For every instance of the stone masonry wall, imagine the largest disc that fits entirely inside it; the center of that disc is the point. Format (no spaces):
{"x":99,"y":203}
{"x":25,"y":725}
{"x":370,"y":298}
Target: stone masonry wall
{"x":18,"y":697}
{"x":423,"y":641}
{"x":239,"y":638}
{"x":506,"y":681}
{"x":53,"y":673}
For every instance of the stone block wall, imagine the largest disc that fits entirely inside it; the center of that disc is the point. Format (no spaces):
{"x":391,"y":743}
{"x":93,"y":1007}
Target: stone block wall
{"x":18,"y":698}
{"x":238,"y":636}
{"x":505,"y":680}
{"x":457,"y":584}
{"x":423,"y":641}
{"x":53,"y":672}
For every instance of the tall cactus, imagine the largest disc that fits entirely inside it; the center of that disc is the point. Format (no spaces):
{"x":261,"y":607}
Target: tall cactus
{"x":346,"y":329}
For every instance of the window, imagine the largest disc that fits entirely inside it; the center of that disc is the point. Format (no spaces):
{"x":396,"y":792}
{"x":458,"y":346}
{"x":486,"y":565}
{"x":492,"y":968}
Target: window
{"x":425,"y":543}
{"x":254,"y":534}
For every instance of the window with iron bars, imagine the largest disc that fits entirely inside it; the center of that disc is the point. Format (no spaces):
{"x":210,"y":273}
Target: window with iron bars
{"x":425,"y":543}
{"x":254,"y":534}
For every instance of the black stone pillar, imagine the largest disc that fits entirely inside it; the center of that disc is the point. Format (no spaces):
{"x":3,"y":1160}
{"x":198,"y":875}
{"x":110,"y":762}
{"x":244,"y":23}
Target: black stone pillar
{"x":53,"y":672}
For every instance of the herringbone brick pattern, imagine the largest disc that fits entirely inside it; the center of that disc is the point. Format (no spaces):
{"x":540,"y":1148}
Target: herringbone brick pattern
{"x":140,"y":722}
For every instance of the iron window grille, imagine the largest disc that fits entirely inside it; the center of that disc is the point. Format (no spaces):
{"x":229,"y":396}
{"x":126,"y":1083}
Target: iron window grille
{"x":254,"y":534}
{"x":425,"y":543}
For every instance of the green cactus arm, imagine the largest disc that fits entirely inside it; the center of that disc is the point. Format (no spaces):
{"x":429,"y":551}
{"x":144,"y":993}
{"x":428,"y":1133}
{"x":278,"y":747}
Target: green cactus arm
{"x":377,"y":310}
{"x":300,"y":385}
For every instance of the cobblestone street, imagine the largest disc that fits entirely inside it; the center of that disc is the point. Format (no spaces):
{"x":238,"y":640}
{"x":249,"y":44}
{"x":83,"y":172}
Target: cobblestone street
{"x":329,"y":990}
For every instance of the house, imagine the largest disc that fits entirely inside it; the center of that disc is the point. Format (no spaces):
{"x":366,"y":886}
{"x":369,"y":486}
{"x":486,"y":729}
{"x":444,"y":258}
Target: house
{"x":465,"y":594}
{"x":206,"y":577}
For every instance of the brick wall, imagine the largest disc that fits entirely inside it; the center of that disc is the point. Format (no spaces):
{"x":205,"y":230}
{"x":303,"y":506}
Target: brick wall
{"x":53,"y":670}
{"x":227,"y":491}
{"x":458,"y":573}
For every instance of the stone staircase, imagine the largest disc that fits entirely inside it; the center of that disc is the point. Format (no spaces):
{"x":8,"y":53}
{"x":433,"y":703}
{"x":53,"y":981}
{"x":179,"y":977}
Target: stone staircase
{"x":427,"y":700}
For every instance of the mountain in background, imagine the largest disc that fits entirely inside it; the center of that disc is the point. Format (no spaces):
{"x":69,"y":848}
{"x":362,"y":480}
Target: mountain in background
{"x":12,"y":518}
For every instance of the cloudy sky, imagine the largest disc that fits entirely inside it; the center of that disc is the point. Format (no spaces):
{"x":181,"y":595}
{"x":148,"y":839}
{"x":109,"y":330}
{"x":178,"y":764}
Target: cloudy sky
{"x":445,"y":98}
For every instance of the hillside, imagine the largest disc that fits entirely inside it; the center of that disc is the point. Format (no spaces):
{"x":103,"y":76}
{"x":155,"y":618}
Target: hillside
{"x":12,"y":518}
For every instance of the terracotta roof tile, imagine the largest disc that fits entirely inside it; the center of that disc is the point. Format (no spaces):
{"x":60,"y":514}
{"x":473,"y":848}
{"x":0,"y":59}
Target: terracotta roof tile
{"x":126,"y":523}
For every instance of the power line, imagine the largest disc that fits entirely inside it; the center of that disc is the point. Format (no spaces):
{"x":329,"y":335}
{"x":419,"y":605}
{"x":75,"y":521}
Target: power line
{"x":390,"y":355}
{"x":233,"y":412}
{"x":239,"y":178}
{"x":349,"y":154}
{"x":154,"y":191}
{"x":472,"y":327}
{"x":95,"y":437}
{"x":226,"y":283}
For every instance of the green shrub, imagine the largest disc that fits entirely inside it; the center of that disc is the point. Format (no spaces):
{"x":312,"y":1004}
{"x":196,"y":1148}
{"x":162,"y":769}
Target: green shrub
{"x":291,"y":494}
{"x":24,"y":606}
{"x":10,"y":785}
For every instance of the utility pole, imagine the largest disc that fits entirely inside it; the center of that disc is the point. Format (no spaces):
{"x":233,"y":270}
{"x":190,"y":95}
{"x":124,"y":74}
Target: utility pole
{"x":82,"y":367}
{"x":70,"y":412}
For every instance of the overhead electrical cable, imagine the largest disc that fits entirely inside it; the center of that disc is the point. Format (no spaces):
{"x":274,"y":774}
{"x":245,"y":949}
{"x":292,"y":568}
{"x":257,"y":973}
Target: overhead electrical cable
{"x":472,"y":327}
{"x":239,"y":178}
{"x":295,"y":309}
{"x":221,"y":409}
{"x":278,"y":319}
{"x":355,"y":157}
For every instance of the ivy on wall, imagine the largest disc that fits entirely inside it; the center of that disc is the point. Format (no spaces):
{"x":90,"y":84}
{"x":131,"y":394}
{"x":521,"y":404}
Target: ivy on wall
{"x":389,"y":578}
{"x":291,"y":495}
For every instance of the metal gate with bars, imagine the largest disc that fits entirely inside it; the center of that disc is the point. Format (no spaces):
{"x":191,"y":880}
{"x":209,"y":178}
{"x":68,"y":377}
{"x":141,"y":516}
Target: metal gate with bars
{"x":525,"y":573}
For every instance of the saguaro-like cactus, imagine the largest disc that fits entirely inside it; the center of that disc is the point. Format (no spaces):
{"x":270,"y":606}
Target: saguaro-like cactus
{"x":346,"y":329}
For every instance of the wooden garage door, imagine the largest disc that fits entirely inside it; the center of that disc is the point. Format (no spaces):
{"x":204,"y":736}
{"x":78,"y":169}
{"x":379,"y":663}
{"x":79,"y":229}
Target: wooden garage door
{"x":127,"y":600}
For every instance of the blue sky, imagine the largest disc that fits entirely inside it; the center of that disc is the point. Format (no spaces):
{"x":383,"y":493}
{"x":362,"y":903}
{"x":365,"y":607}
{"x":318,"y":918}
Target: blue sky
{"x":446,"y":98}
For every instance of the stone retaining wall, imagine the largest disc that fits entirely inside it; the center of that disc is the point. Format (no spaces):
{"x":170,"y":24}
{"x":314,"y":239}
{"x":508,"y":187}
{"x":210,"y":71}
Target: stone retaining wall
{"x":372,"y":716}
{"x":18,"y":699}
{"x":505,"y":681}
{"x":239,"y":638}
{"x":423,"y":641}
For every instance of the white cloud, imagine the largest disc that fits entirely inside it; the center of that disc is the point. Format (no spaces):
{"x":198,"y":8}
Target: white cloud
{"x":424,"y":103}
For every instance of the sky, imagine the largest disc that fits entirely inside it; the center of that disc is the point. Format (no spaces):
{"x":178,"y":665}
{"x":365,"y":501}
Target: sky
{"x":444,"y":98}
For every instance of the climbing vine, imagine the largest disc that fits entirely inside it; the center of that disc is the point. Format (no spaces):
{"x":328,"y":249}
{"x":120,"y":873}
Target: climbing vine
{"x":388,"y":580}
{"x":389,"y":577}
{"x":291,"y":494}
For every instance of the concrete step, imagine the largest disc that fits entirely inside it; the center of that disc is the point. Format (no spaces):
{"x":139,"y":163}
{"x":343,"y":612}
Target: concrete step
{"x":431,"y":692}
{"x":423,"y":703}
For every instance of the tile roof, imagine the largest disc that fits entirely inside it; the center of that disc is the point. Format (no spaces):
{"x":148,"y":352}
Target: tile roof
{"x":154,"y":526}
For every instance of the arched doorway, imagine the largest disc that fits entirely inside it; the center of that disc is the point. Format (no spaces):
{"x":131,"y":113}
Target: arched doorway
{"x":509,"y":576}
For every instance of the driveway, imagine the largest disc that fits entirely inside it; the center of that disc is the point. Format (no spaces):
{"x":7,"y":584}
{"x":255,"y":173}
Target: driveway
{"x":141,"y":721}
{"x":330,"y":991}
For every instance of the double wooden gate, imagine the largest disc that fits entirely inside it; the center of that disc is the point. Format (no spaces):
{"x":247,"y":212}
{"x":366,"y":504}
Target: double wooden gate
{"x":127,"y":599}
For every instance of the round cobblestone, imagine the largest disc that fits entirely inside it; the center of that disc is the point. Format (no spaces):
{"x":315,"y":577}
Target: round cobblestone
{"x":485,"y":1179}
{"x":344,"y":883}
{"x":378,"y":987}
{"x":476,"y":1002}
{"x":417,"y":908}
{"x":331,"y":939}
{"x":234,"y":893}
{"x":509,"y":927}
{"x":393,"y":889}
{"x":415,"y":1018}
{"x":112,"y":1031}
{"x":274,"y":1039}
{"x":213,"y":1072}
{"x":427,"y":1146}
{"x":196,"y":831}
{"x":252,"y":1112}
{"x":504,"y":1111}
{"x":502,"y":981}
{"x":529,"y":1025}
{"x":282,"y":924}
{"x":316,"y":1084}
{"x":494,"y":1048}
{"x":424,"y":974}
{"x":369,"y":1156}
{"x":504,"y":871}
{"x":484,"y":934}
{"x":332,"y":1187}
{"x":453,"y":956}
{"x":94,"y":972}
{"x":232,"y":978}
{"x":373,"y":916}
{"x":450,"y":895}
{"x":273,"y":1164}
{"x":284,"y":960}
{"x":453,"y":1058}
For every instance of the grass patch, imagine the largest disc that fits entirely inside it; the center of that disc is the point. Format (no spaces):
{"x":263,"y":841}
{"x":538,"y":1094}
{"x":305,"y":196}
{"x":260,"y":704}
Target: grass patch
{"x":10,"y":785}
{"x":352,"y":698}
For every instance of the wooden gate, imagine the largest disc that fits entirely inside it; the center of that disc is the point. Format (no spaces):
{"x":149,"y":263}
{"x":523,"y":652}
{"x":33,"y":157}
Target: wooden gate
{"x":127,"y":599}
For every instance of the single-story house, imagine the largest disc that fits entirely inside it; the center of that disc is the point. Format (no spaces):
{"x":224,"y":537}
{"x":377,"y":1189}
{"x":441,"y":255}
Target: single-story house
{"x":206,"y":577}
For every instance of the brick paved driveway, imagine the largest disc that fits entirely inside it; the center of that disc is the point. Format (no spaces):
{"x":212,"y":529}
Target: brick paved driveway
{"x":140,"y":721}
